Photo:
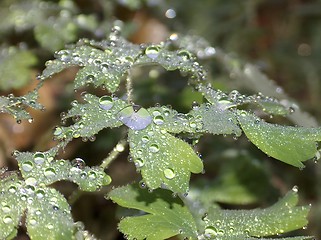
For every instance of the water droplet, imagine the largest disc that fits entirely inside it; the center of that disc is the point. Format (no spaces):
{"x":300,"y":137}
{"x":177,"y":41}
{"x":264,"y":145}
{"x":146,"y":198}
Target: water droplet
{"x":295,"y":189}
{"x":27,"y":166}
{"x":50,"y":172}
{"x":40,"y":193}
{"x":142,"y":184}
{"x":169,"y":173}
{"x":92,"y":174}
{"x":186,"y":55}
{"x":32,"y":221}
{"x":78,"y":163}
{"x":39,"y":157}
{"x":152,"y":52}
{"x":120,"y":147}
{"x":90,"y":78}
{"x":210,"y":230}
{"x":145,"y":139}
{"x":7,"y":219}
{"x":135,"y":118}
{"x":6,"y":208}
{"x":154,"y":148}
{"x":159,"y":120}
{"x":57,"y":131}
{"x":139,"y":162}
{"x":30,"y":120}
{"x":106,"y":102}
{"x":12,"y":189}
{"x":31,"y":181}
{"x":170,"y":13}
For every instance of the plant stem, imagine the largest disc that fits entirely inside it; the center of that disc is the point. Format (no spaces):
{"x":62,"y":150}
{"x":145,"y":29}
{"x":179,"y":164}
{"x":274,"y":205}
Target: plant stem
{"x":129,"y":88}
{"x":120,"y":147}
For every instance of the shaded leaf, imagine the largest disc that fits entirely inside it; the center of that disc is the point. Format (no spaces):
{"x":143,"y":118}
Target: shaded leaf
{"x":288,"y":144}
{"x":280,"y":218}
{"x":12,"y":59}
{"x":164,"y":161}
{"x":165,"y":216}
{"x":16,"y":105}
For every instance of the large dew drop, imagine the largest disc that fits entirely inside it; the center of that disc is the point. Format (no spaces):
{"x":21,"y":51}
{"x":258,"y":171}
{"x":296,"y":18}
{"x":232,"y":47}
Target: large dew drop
{"x":135,"y":117}
{"x":169,"y":173}
{"x":106,"y":102}
{"x":152,"y":52}
{"x":39,"y":157}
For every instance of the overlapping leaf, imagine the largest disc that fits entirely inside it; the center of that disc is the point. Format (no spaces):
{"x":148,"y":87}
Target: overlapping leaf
{"x":47,"y":211}
{"x":284,"y":216}
{"x":16,"y":105}
{"x":105,"y":63}
{"x":289,"y":144}
{"x":165,"y":216}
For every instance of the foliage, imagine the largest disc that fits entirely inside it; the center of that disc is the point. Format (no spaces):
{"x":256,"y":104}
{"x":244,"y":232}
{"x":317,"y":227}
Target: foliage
{"x":163,"y":139}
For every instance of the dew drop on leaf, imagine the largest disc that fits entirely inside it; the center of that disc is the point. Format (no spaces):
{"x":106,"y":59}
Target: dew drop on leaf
{"x":7,"y":219}
{"x":154,"y":148}
{"x":50,"y":172}
{"x":39,"y":157}
{"x":158,"y":120}
{"x":78,"y":163}
{"x":106,"y":102}
{"x":27,"y":166}
{"x":169,"y":173}
{"x":152,"y":52}
{"x":135,"y":118}
{"x":139,"y":162}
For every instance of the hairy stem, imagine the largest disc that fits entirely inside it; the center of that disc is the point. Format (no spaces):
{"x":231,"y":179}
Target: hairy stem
{"x":120,"y":147}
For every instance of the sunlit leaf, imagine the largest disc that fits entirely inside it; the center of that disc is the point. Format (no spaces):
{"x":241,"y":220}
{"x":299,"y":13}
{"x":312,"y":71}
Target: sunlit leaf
{"x":165,"y":216}
{"x":291,"y":145}
{"x":105,"y":63}
{"x":284,"y":216}
{"x":164,"y":161}
{"x":91,"y":117}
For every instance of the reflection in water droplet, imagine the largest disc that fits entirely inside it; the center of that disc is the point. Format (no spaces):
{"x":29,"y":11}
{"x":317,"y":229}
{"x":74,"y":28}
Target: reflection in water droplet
{"x":169,"y":173}
{"x":7,"y":219}
{"x":210,"y":230}
{"x":6,"y":208}
{"x":139,"y":162}
{"x":152,"y":52}
{"x":142,"y":184}
{"x":154,"y":148}
{"x":145,"y":139}
{"x":159,"y":120}
{"x":57,"y":131}
{"x":186,"y":55}
{"x":27,"y":166}
{"x":78,"y":163}
{"x":106,"y":102}
{"x":39,"y":157}
{"x":50,"y":172}
{"x":135,"y":118}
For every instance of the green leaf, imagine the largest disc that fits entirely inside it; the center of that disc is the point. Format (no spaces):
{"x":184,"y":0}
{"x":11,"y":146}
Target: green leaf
{"x":105,"y":63}
{"x":12,"y":59}
{"x":164,"y":161}
{"x":16,"y":105}
{"x":165,"y":216}
{"x":241,"y":180}
{"x":48,"y":216}
{"x":215,"y":120}
{"x":91,"y":117}
{"x":288,"y":144}
{"x":45,"y":170}
{"x":47,"y":211}
{"x":280,"y":218}
{"x":51,"y":39}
